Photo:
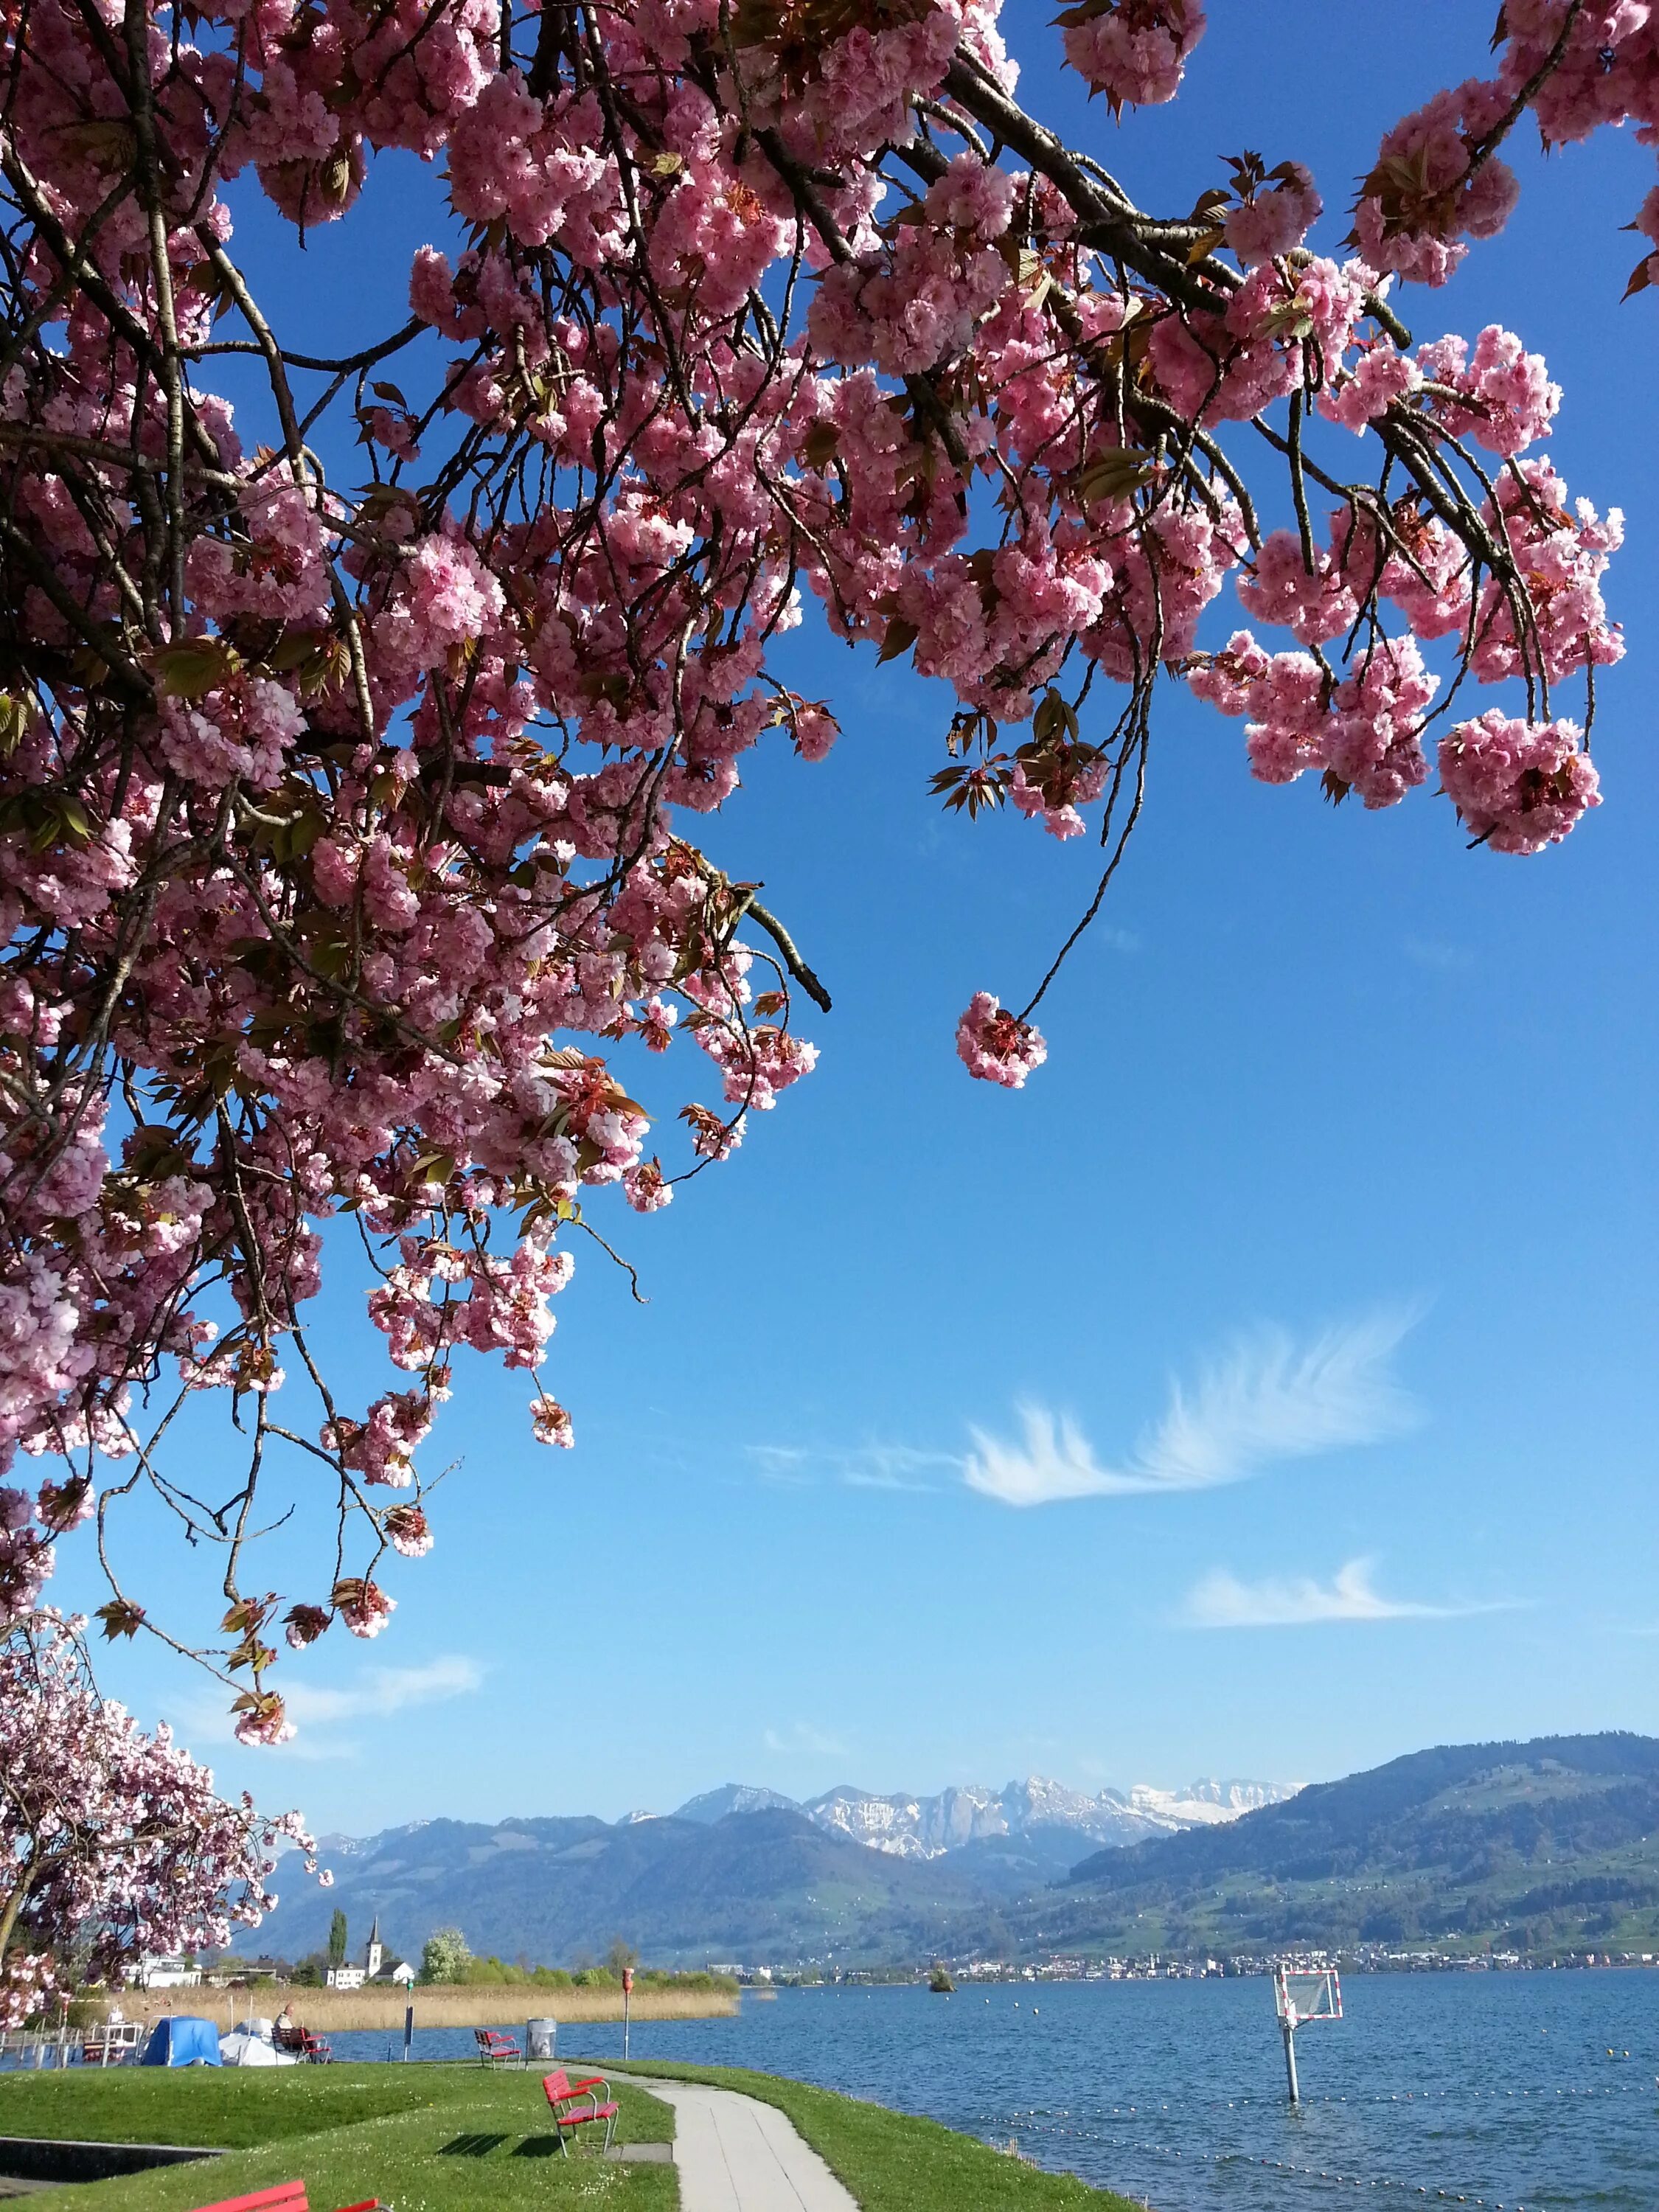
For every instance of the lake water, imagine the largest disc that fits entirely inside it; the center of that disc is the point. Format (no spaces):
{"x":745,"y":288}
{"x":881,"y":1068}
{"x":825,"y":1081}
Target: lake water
{"x":1483,"y":2089}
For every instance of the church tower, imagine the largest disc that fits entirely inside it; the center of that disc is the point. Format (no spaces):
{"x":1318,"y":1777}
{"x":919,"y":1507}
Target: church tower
{"x":372,"y":1955}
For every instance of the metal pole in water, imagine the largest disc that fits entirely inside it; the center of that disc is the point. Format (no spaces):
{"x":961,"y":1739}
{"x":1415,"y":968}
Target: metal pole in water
{"x":408,"y":2029}
{"x":1284,"y":2006}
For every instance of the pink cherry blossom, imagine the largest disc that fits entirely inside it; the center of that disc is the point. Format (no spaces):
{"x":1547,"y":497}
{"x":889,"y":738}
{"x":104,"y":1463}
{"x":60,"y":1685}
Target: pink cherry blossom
{"x":1505,"y":399}
{"x":1518,"y":786}
{"x":1274,"y":217}
{"x":1379,"y":376}
{"x":1425,"y":196}
{"x":363,"y":1605}
{"x":996,"y":1046}
{"x":1135,"y":50}
{"x":115,"y":1844}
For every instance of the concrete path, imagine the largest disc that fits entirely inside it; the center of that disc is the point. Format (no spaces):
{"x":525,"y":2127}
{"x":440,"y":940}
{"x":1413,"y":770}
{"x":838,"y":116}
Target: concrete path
{"x":735,"y":2155}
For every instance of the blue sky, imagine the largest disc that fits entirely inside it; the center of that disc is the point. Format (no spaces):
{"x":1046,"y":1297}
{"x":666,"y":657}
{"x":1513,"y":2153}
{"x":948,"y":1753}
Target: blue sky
{"x":1316,"y":1264}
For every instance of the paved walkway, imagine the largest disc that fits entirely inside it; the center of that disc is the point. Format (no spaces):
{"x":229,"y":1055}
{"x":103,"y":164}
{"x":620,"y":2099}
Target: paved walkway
{"x":735,"y":2155}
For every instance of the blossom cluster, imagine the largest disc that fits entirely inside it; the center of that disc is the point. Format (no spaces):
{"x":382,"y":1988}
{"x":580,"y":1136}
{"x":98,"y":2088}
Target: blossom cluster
{"x":115,"y":1845}
{"x":1577,"y":66}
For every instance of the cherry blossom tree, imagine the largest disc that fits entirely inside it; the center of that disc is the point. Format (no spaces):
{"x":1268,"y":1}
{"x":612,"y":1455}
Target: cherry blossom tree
{"x":348,"y":836}
{"x":112,"y":1844}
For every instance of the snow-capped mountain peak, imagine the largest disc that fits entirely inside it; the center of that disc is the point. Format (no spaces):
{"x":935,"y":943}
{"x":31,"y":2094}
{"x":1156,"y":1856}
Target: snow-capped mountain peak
{"x":927,"y":1828}
{"x":733,"y":1797}
{"x":1203,"y":1804}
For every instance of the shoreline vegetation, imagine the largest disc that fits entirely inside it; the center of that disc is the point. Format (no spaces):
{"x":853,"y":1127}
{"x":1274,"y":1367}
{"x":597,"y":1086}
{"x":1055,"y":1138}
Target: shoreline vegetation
{"x":437,"y":2004}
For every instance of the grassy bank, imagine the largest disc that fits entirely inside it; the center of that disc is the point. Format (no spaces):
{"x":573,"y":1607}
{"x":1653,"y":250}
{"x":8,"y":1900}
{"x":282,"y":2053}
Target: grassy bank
{"x":892,"y":2163}
{"x":454,"y":2138}
{"x":423,"y":2138}
{"x":445,"y":2004}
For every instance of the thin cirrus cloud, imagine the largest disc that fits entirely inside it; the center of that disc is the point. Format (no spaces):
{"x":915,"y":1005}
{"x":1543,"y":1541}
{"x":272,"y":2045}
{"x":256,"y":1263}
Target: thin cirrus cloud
{"x":316,"y":1711}
{"x":861,"y":1466}
{"x":387,"y":1689}
{"x":1270,"y":1397}
{"x":1220,"y":1600}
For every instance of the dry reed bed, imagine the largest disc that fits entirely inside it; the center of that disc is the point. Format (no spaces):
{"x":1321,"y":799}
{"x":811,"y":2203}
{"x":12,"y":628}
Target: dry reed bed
{"x":484,"y":2004}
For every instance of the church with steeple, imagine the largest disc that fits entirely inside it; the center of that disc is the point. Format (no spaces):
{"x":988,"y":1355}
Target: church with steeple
{"x":373,"y":1968}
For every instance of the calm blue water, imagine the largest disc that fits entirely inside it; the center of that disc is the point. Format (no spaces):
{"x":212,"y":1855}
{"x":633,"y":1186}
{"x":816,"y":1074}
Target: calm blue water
{"x":1487,"y":2089}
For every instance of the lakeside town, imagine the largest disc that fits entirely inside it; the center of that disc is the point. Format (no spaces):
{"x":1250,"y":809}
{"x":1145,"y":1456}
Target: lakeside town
{"x":1368,"y":1960}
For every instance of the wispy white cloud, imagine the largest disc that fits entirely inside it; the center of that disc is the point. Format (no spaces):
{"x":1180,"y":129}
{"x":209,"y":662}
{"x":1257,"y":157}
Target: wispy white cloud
{"x":1269,"y":1398}
{"x":800,"y":1737}
{"x":377,"y":1691}
{"x":861,"y":1466}
{"x":1221,"y":1600}
{"x":790,"y":1464}
{"x":387,"y":1689}
{"x":1054,"y":1460}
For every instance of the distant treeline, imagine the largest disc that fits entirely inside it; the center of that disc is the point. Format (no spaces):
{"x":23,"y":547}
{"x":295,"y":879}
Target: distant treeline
{"x":495,"y":1972}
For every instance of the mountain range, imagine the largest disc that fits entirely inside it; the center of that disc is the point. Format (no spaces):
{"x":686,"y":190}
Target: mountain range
{"x":738,"y":1873}
{"x":1541,"y":1848}
{"x":927,"y":1828}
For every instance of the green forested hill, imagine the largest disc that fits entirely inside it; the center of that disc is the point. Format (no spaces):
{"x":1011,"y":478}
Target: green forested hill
{"x":1544,"y":1846}
{"x":760,"y":1886}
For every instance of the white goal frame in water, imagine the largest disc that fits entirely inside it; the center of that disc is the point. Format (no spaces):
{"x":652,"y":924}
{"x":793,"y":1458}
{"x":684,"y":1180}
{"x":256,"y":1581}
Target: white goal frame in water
{"x":1299,"y":1998}
{"x":1316,"y":1996}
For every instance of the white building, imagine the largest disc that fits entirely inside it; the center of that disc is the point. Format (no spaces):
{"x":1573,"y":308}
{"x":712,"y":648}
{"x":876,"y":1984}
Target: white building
{"x":172,"y":1972}
{"x":373,"y":1968}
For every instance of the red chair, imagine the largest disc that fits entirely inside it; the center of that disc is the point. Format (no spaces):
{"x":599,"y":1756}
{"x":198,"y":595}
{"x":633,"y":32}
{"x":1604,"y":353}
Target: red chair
{"x":564,"y":2095}
{"x":286,"y":2196}
{"x":288,"y":2035}
{"x":496,"y":2050}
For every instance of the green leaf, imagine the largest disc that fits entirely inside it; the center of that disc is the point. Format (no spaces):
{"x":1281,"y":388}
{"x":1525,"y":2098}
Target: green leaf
{"x":14,"y":718}
{"x":1116,"y":475}
{"x":193,"y":667}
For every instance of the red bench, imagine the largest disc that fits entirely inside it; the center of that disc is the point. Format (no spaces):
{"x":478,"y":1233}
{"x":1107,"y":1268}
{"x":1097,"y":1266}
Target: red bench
{"x":286,"y":2196}
{"x":496,"y":2050}
{"x":565,"y":2095}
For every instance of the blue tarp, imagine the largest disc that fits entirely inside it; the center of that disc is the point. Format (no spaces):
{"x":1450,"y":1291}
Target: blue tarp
{"x":178,"y":2040}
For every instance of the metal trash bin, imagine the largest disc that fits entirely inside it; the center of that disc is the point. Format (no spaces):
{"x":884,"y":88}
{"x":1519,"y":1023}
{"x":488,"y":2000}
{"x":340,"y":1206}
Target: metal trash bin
{"x":540,"y":2036}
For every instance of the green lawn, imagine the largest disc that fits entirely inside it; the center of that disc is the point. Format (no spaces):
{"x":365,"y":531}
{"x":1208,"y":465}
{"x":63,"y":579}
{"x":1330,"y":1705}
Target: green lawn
{"x":429,"y":2138}
{"x":892,"y":2163}
{"x":437,"y":2138}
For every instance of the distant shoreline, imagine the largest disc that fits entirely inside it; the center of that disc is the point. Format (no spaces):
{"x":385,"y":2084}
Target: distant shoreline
{"x":448,"y":2004}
